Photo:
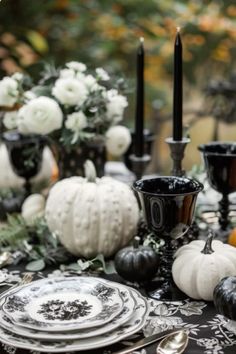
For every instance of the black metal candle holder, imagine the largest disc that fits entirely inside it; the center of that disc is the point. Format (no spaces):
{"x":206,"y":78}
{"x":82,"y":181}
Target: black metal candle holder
{"x":139,"y":164}
{"x":177,"y":148}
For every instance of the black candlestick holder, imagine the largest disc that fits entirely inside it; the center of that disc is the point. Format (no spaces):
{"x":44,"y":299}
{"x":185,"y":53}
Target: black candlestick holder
{"x":177,"y":148}
{"x":139,"y":164}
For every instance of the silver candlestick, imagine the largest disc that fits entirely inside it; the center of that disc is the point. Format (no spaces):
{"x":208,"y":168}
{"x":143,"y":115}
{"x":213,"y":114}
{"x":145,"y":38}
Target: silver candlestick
{"x":139,"y":164}
{"x":177,"y":148}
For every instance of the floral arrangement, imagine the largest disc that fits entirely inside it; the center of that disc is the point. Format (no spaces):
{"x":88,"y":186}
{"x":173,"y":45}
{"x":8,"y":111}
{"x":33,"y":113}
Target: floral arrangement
{"x":71,"y":105}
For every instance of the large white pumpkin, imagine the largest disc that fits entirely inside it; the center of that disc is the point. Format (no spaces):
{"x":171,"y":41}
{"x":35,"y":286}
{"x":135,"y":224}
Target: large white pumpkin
{"x":92,"y":215}
{"x":200,"y":265}
{"x":9,"y":179}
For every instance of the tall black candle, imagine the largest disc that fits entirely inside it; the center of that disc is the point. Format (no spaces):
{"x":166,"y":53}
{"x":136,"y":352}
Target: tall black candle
{"x":178,"y":89}
{"x":139,"y":116}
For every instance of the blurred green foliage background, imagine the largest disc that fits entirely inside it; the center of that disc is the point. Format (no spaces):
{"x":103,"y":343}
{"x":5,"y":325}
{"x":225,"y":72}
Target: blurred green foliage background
{"x":106,"y":33}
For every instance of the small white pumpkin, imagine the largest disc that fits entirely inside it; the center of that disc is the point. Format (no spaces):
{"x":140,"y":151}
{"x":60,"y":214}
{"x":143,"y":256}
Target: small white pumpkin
{"x":33,"y":208}
{"x":92,"y":215}
{"x":9,"y":179}
{"x":200,"y":265}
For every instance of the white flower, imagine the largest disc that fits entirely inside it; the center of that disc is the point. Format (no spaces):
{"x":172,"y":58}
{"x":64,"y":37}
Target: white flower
{"x":118,"y":139}
{"x":29,"y":95}
{"x":76,"y":122}
{"x":17,"y":76}
{"x":76,"y":65}
{"x":70,"y":91}
{"x":67,"y":73}
{"x":42,"y":115}
{"x":8,"y":92}
{"x":102,"y":74}
{"x":115,"y":106}
{"x":10,"y":119}
{"x":91,"y":83}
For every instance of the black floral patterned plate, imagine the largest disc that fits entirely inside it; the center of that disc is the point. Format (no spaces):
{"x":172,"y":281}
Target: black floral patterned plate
{"x":63,"y":304}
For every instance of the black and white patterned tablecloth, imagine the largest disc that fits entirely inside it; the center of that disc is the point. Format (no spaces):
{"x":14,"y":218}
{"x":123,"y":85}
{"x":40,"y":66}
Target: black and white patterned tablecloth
{"x":207,"y":332}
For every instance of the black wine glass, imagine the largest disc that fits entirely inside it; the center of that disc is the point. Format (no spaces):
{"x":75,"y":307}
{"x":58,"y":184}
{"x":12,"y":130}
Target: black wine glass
{"x":168,"y":205}
{"x":220,"y":164}
{"x":25,"y":154}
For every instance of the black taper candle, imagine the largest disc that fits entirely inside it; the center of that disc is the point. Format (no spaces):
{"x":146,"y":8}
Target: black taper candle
{"x":139,"y":115}
{"x":178,"y":89}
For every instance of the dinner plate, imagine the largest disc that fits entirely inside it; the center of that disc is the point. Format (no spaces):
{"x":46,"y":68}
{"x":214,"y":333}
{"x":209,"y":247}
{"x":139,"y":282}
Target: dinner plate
{"x":135,"y":324}
{"x":63,"y":304}
{"x":125,"y":315}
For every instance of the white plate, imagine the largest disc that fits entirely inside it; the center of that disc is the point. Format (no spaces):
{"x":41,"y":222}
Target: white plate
{"x":63,"y":304}
{"x":125,"y":315}
{"x":132,"y":326}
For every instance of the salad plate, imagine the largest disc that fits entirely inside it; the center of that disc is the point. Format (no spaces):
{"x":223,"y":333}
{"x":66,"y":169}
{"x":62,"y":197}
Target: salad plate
{"x":133,"y":325}
{"x":125,"y":315}
{"x":63,"y":304}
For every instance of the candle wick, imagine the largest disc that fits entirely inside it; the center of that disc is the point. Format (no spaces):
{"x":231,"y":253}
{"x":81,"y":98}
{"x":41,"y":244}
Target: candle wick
{"x":141,"y":39}
{"x":178,"y":29}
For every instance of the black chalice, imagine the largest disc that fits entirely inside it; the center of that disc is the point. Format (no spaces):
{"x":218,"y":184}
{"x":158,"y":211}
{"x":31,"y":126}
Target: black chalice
{"x":168,"y":204}
{"x":25,"y":154}
{"x":220,"y":164}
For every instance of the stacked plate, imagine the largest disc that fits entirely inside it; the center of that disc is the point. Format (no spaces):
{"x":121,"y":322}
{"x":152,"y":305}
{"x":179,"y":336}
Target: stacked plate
{"x":70,"y":314}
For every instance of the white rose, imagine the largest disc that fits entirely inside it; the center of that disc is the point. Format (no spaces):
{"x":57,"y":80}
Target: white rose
{"x":76,"y":65}
{"x":91,"y":83}
{"x":118,"y":139}
{"x":41,"y":115}
{"x":76,"y":122}
{"x":10,"y":119}
{"x":8,"y":92}
{"x":102,"y":74}
{"x":67,"y":73}
{"x":70,"y":91}
{"x":116,"y":105}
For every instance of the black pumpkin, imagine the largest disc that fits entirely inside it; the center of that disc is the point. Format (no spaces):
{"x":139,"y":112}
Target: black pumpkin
{"x":225,"y":297}
{"x":137,"y":263}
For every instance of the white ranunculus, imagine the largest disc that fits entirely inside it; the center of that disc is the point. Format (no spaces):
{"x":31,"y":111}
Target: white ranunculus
{"x":70,"y":91}
{"x":115,"y":106}
{"x":10,"y":119}
{"x":67,"y":73}
{"x":8,"y":92}
{"x":42,"y":115}
{"x":118,"y":139}
{"x":76,"y":65}
{"x":76,"y":122}
{"x":102,"y":74}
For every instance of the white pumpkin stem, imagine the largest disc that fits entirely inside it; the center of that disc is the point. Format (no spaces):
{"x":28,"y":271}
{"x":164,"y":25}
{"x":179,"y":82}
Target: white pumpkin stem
{"x":208,"y":245}
{"x":90,"y":171}
{"x":136,"y":242}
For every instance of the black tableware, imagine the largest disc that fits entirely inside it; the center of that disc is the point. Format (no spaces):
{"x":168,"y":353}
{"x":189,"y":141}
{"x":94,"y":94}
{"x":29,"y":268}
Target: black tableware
{"x":220,"y":164}
{"x":168,"y":204}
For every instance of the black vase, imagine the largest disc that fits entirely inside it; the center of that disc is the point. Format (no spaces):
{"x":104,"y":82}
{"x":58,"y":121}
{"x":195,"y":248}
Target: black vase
{"x":220,"y":164}
{"x":71,"y":161}
{"x":168,"y":205}
{"x":25,"y":154}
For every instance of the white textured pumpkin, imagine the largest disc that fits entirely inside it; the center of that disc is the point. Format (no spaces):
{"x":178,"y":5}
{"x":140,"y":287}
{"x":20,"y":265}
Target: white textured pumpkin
{"x":200,"y":265}
{"x":33,"y":207}
{"x":8,"y":178}
{"x":92,"y":215}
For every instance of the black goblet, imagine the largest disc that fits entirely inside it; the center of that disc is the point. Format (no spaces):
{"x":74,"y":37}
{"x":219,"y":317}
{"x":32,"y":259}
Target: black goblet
{"x":25,"y":154}
{"x":168,"y":204}
{"x":220,"y":164}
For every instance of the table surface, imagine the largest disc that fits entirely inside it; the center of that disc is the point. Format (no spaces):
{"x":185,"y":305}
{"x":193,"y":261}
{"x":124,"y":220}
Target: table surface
{"x":207,"y":333}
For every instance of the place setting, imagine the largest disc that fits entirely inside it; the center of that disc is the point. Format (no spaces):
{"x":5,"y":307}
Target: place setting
{"x":70,"y":314}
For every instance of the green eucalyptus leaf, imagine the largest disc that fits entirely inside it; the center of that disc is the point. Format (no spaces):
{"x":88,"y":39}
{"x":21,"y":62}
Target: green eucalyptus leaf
{"x":36,"y":266}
